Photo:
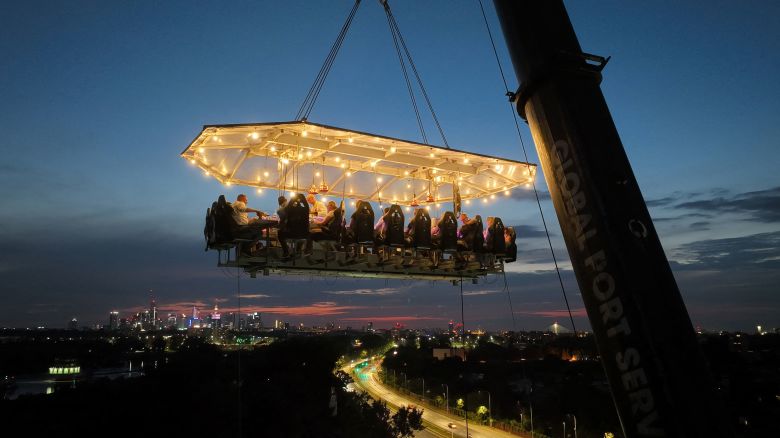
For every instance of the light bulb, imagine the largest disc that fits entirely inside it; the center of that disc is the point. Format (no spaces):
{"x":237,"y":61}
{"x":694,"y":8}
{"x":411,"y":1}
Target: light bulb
{"x":317,"y":174}
{"x":300,"y":156}
{"x":379,"y":179}
{"x":192,"y":161}
{"x":304,"y":133}
{"x":392,"y":149}
{"x":200,"y":150}
{"x":465,"y":161}
{"x":468,"y":201}
{"x":493,"y":196}
{"x":351,"y":140}
{"x":406,"y":172}
{"x":338,"y":159}
{"x":255,"y":136}
{"x":432,"y":155}
{"x":259,"y":191}
{"x":308,"y":154}
{"x":265,"y":173}
{"x":343,"y":165}
{"x":273,"y":148}
{"x":349,"y":173}
{"x":506,"y":192}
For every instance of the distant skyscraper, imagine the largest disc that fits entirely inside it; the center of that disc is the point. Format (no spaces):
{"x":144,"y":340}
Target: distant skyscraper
{"x":451,"y":326}
{"x":73,"y":324}
{"x":370,"y":326}
{"x":153,"y":313}
{"x":113,"y":320}
{"x":171,"y":321}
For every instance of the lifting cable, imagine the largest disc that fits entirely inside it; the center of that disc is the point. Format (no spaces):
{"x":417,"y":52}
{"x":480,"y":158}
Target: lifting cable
{"x":525,"y":154}
{"x":396,"y":32}
{"x":238,"y":331}
{"x":406,"y":74}
{"x":463,"y":340}
{"x":319,"y":81}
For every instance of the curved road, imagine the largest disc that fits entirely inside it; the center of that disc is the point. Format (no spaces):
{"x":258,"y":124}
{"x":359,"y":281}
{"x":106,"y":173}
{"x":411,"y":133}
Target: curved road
{"x":436,"y":422}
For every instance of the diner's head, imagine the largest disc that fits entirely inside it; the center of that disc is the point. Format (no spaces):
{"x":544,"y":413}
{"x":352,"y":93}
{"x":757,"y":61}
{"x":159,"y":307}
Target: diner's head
{"x":281,"y":200}
{"x":331,"y":205}
{"x":464,"y":217}
{"x":311,"y":199}
{"x":241,"y":198}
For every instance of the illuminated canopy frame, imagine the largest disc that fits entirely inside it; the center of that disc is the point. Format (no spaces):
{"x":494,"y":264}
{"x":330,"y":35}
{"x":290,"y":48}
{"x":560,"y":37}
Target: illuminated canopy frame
{"x":308,"y":157}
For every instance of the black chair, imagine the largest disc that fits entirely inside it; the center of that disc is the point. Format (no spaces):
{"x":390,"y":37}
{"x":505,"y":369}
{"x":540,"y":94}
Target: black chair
{"x":362,"y":225}
{"x":394,"y":227}
{"x":421,"y":230}
{"x":448,"y":233}
{"x":494,"y":243}
{"x":295,"y":226}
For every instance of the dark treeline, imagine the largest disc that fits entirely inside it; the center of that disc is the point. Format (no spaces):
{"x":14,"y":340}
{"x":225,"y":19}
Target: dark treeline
{"x":285,"y":390}
{"x":745,"y":369}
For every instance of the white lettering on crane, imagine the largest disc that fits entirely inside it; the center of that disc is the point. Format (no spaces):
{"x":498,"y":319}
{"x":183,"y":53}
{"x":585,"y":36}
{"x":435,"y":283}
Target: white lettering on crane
{"x":610,"y":306}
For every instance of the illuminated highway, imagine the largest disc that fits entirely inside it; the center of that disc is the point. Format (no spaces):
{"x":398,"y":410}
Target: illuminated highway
{"x":436,"y":422}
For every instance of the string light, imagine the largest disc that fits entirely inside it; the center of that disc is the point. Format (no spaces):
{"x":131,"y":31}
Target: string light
{"x":273,"y":148}
{"x":338,"y":159}
{"x":493,"y":196}
{"x":259,"y":191}
{"x":308,"y":154}
{"x":351,"y":140}
{"x":265,"y":174}
{"x":349,"y":174}
{"x":316,"y":174}
{"x":406,"y":172}
{"x":192,"y":161}
{"x":206,"y":173}
{"x":255,"y":136}
{"x":201,"y":150}
{"x":506,"y":192}
{"x":304,"y":134}
{"x":392,"y":149}
{"x":465,"y":161}
{"x":379,"y":179}
{"x":484,"y":200}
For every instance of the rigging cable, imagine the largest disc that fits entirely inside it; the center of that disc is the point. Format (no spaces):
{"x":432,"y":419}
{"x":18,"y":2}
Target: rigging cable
{"x":405,"y":73}
{"x":319,"y":81}
{"x":238,"y":292}
{"x":525,"y":154}
{"x":394,"y":24}
{"x":462,"y":339}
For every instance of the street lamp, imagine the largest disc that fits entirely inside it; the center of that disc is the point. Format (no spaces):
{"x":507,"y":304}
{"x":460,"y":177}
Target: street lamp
{"x":575,"y":424}
{"x":447,"y":399}
{"x":564,"y":429}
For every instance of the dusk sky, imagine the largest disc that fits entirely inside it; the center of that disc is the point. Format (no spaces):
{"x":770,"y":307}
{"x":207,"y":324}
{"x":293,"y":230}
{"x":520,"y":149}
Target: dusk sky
{"x":97,"y":100}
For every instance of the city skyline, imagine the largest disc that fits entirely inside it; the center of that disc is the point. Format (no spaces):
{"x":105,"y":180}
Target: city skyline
{"x":101,"y":99}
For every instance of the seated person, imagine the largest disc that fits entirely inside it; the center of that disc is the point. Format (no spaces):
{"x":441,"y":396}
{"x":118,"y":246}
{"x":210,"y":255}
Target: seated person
{"x":435,"y":232}
{"x":489,"y":224}
{"x":282,"y":213}
{"x":380,"y":228}
{"x":467,"y":232}
{"x":316,"y":208}
{"x":240,"y":211}
{"x":511,"y":246}
{"x":323,"y":229}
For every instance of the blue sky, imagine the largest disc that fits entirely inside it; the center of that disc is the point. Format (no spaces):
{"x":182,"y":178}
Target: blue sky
{"x":99,"y":98}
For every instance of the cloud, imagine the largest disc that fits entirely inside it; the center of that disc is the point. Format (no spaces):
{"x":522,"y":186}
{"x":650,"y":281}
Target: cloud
{"x":580,"y":312}
{"x":528,"y":194}
{"x":376,"y":292}
{"x":254,"y":296}
{"x":480,"y":292}
{"x":529,"y":231}
{"x":760,"y":205}
{"x":394,"y":318}
{"x":754,"y":251}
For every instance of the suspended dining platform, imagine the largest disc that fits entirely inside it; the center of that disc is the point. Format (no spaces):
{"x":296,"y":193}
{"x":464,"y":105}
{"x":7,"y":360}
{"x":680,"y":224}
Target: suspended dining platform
{"x":300,"y":157}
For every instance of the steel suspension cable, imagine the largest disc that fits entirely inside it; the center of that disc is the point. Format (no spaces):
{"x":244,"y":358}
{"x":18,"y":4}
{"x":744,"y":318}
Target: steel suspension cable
{"x":416,"y":73}
{"x":405,"y":73}
{"x":462,"y":339}
{"x":311,"y":97}
{"x":525,"y":154}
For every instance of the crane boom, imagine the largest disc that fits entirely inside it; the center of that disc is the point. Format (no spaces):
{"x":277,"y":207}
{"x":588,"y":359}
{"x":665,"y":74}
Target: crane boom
{"x":648,"y":347}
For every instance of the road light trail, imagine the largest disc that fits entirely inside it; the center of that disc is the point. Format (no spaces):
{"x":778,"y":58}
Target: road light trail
{"x":435,"y":422}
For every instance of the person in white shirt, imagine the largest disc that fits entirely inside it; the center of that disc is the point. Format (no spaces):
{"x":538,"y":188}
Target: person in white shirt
{"x":240,"y":211}
{"x":316,"y":207}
